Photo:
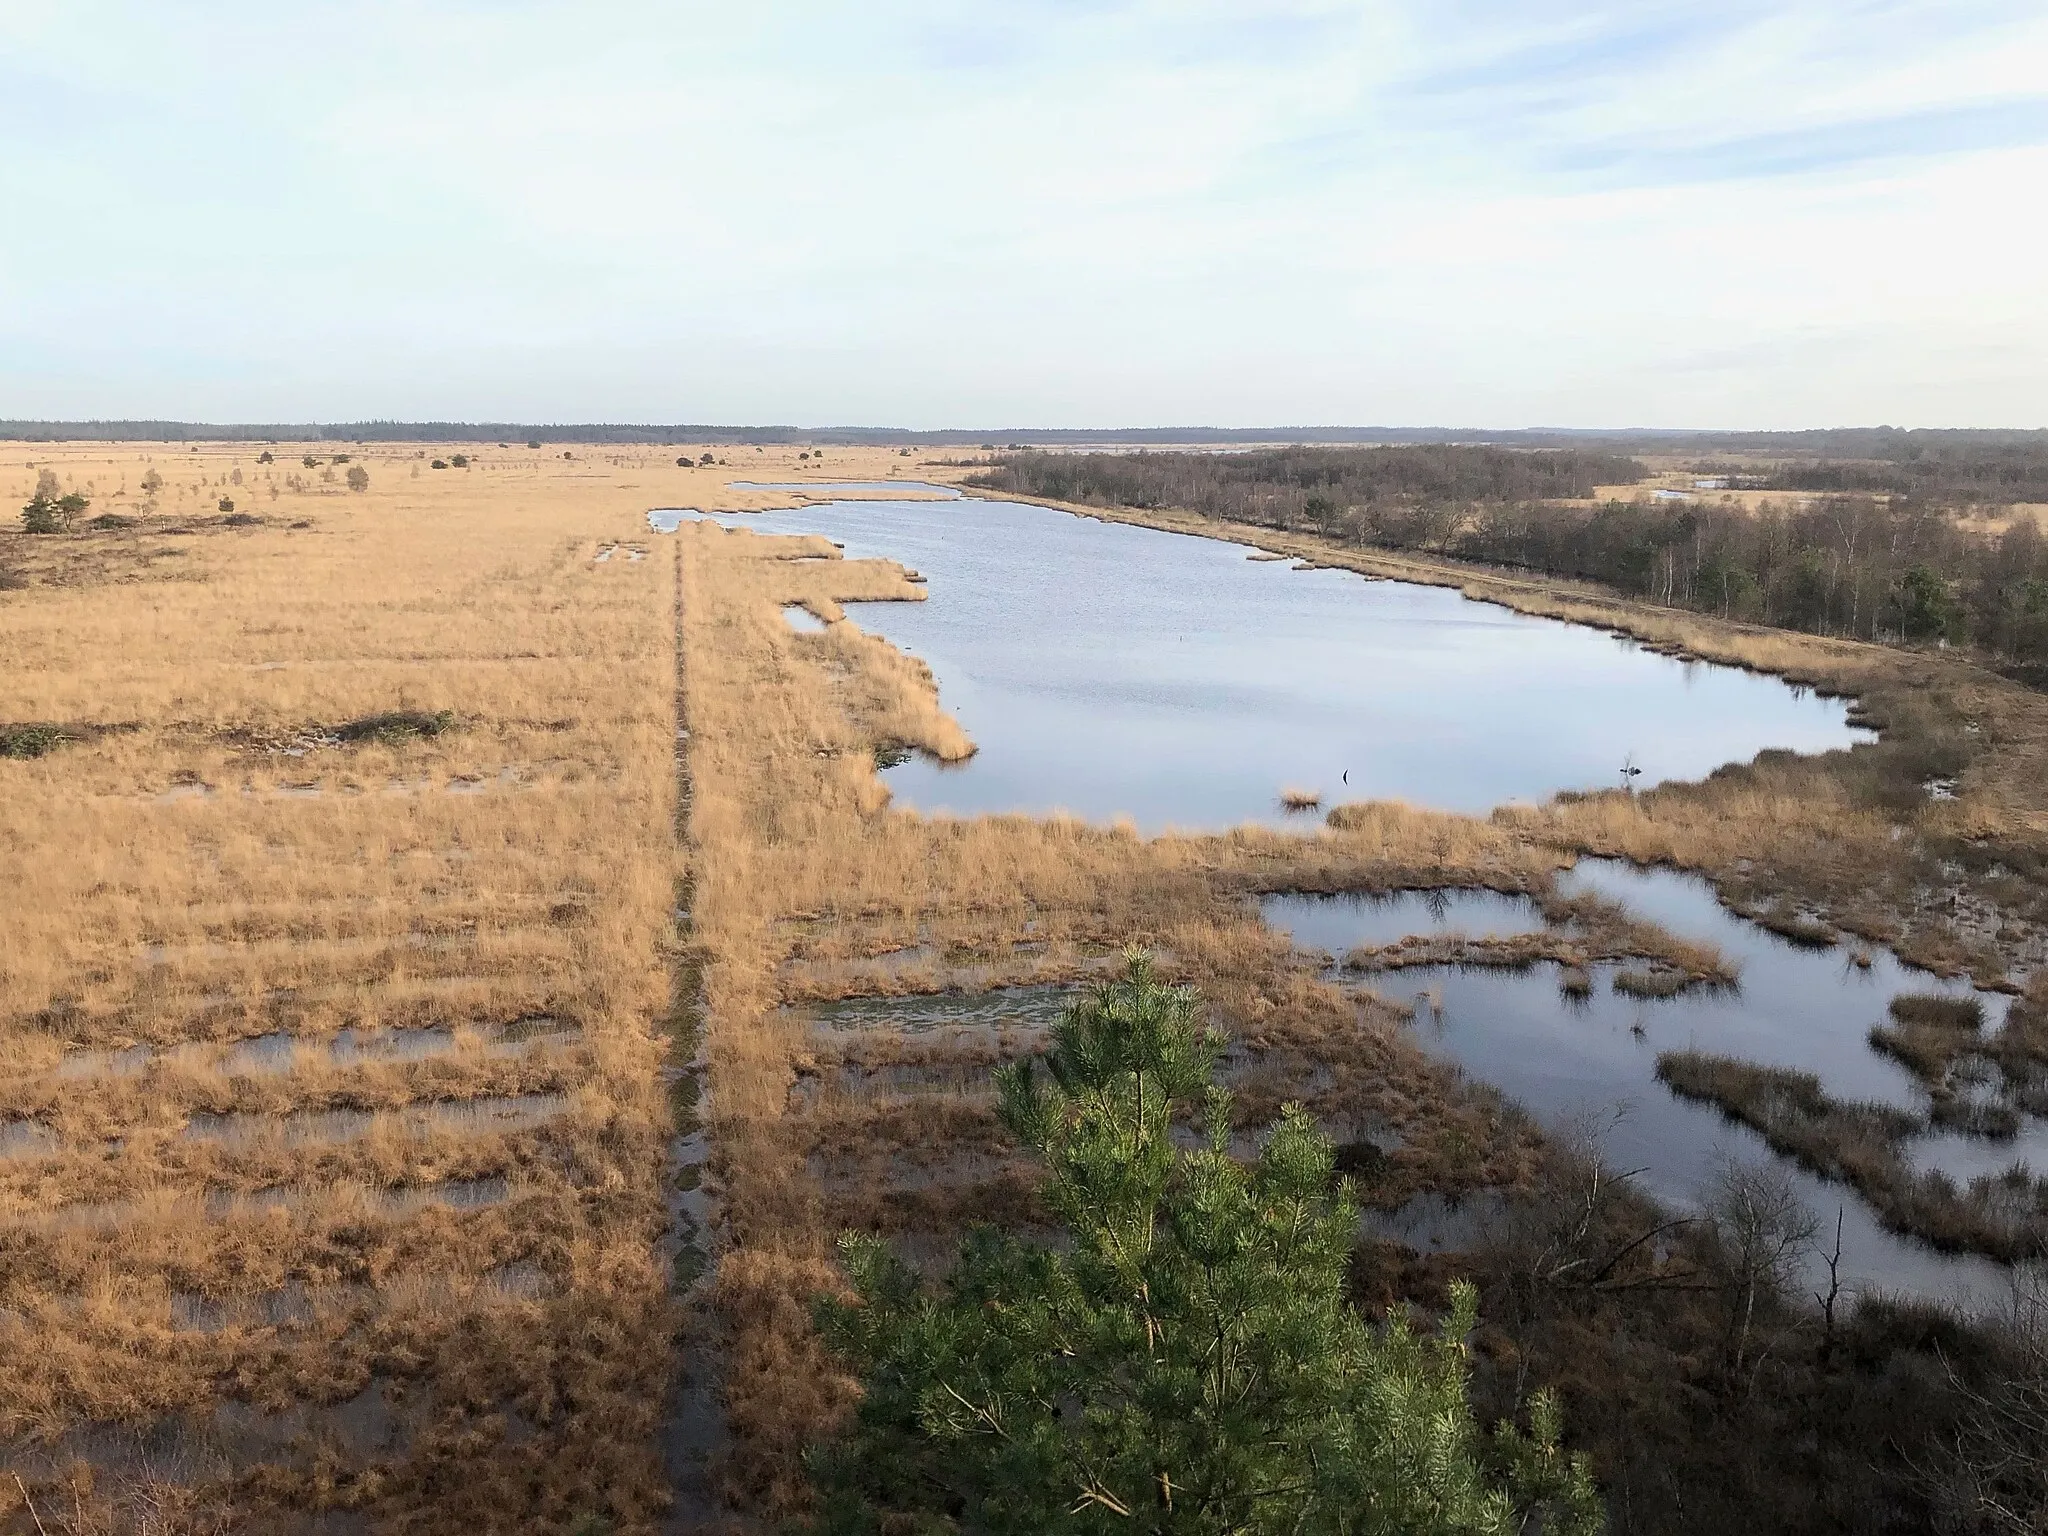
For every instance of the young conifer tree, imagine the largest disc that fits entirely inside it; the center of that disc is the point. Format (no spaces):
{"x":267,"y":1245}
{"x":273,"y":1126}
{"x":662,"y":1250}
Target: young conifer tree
{"x":1185,"y":1360}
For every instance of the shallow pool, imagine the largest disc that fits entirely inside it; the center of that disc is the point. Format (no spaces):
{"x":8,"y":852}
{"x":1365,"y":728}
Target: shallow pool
{"x":1593,"y":1060}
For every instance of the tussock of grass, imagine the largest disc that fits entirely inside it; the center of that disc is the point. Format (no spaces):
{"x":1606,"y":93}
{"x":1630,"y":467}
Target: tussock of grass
{"x":1652,"y":981}
{"x":1806,"y":931}
{"x":1941,"y":1040}
{"x":1936,"y":1011}
{"x":1583,"y":930}
{"x":392,"y":727}
{"x":1930,"y":1034}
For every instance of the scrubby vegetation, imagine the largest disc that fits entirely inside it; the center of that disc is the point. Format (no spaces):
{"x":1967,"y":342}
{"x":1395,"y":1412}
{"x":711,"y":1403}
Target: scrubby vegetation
{"x":52,"y":509}
{"x":1311,"y":486}
{"x":393,"y":726}
{"x":1953,"y":471}
{"x":1720,"y":1382}
{"x":26,"y":741}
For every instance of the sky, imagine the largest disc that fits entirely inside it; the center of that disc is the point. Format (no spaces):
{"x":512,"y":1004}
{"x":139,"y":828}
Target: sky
{"x":1054,"y":213}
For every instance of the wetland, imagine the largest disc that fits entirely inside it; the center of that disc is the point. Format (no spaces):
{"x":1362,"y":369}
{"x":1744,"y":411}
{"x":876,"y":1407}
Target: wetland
{"x":1165,"y":681}
{"x":447,"y":1111}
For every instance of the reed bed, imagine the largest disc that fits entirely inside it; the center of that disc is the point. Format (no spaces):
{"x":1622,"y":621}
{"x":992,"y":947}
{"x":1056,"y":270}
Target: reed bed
{"x":2003,"y":1216}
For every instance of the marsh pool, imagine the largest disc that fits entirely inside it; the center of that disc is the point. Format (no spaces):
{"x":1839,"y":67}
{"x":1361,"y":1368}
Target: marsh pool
{"x":1112,"y":671}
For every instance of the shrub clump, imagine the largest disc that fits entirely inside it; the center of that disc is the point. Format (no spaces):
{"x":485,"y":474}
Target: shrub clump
{"x":396,"y":726}
{"x":21,"y":742}
{"x":52,"y":514}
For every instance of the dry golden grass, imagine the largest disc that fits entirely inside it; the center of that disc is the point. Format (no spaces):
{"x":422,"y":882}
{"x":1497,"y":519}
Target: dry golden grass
{"x":205,"y":866}
{"x":206,"y":863}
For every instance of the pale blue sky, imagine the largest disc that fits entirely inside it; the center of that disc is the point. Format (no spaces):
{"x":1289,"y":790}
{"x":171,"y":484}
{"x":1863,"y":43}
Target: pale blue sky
{"x":1027,"y":212}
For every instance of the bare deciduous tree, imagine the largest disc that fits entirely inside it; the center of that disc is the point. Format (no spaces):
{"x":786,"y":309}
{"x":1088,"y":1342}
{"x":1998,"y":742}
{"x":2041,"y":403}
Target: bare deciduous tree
{"x":1764,"y":1230}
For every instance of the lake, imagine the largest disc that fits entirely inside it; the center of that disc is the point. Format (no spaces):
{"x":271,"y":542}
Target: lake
{"x":1112,"y":671}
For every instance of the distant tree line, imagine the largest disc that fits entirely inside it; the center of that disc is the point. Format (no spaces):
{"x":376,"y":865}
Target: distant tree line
{"x":1894,"y":568}
{"x":1285,"y":486}
{"x":1831,"y":443}
{"x":1976,"y":475}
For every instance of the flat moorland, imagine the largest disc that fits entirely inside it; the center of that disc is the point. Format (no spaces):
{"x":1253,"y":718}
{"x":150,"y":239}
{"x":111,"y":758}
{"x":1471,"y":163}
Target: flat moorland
{"x":340,"y":866}
{"x":401,"y":874}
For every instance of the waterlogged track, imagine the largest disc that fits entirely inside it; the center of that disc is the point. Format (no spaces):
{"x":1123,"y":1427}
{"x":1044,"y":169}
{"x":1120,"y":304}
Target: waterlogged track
{"x":1110,"y":670}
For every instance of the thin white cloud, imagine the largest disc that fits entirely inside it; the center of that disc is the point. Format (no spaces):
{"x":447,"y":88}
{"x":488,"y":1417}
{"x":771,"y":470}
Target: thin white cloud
{"x":1058,"y":212}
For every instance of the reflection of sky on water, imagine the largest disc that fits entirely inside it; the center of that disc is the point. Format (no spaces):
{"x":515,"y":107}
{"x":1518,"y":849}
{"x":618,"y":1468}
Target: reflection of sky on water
{"x":1110,"y":670}
{"x":1564,"y":1059}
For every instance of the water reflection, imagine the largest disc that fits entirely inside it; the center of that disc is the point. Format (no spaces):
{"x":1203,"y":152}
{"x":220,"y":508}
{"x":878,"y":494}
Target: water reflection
{"x":1109,"y":670}
{"x":1567,"y":1058}
{"x":1341,"y":923}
